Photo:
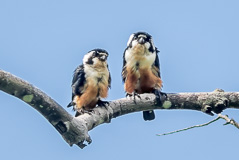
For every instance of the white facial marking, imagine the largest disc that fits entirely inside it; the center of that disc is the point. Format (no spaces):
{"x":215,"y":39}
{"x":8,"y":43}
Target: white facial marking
{"x":134,"y":43}
{"x":141,"y":35}
{"x":152,"y":42}
{"x":130,"y":39}
{"x":87,"y":56}
{"x":147,"y":45}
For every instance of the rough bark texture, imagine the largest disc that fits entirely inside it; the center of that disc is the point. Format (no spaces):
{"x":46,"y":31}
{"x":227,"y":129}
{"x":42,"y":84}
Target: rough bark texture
{"x":75,"y":129}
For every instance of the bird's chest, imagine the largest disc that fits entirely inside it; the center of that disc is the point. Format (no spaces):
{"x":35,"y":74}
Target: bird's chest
{"x":139,"y":59}
{"x":97,"y":77}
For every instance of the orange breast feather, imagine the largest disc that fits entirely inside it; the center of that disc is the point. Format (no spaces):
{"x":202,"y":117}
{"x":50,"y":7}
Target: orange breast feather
{"x":89,"y":98}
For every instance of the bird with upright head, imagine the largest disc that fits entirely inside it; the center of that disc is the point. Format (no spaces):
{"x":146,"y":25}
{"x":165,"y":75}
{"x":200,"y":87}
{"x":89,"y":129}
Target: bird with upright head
{"x":91,"y":82}
{"x":141,"y":70}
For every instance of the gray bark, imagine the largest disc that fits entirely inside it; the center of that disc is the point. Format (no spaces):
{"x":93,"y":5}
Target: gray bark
{"x":75,"y":129}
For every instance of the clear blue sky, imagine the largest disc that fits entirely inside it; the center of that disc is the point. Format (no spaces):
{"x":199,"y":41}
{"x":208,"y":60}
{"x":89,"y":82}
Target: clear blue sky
{"x":43,"y":41}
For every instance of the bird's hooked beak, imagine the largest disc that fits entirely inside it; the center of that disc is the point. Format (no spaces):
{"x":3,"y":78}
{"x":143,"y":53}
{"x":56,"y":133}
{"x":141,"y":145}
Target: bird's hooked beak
{"x":141,"y":40}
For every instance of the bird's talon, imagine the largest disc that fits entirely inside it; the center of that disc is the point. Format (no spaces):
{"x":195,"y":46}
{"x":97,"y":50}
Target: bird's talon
{"x":101,"y":103}
{"x":161,"y":96}
{"x":128,"y":95}
{"x":90,"y":112}
{"x":138,"y":96}
{"x":134,"y":95}
{"x":74,"y":108}
{"x":83,"y":111}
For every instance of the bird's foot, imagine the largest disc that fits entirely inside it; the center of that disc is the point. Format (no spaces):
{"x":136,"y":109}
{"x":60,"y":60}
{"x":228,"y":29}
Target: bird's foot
{"x":83,"y":111}
{"x":160,"y":96}
{"x":134,"y":95}
{"x":74,"y":107}
{"x":101,"y":103}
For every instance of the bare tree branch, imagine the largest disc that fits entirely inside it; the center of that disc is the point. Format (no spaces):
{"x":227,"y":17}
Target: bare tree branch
{"x":229,"y":121}
{"x":185,"y":129}
{"x":219,"y":116}
{"x":75,"y":129}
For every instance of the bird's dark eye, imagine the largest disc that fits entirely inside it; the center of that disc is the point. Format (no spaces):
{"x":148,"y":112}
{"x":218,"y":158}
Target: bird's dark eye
{"x":95,"y":54}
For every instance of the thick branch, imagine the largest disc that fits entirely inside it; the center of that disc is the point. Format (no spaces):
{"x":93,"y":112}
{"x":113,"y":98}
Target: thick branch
{"x":69,"y":127}
{"x":75,"y":130}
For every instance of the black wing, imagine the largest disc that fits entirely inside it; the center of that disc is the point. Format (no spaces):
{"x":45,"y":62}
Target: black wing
{"x":124,"y":72}
{"x":78,"y":80}
{"x":109,"y":79}
{"x":156,"y":64}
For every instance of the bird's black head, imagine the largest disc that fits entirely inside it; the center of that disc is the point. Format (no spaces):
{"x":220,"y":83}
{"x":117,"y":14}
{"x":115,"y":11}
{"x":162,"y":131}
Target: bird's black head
{"x":141,"y":38}
{"x":95,"y":56}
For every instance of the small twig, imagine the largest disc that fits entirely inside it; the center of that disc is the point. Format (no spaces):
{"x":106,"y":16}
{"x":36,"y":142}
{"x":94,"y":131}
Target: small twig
{"x":200,"y":125}
{"x":228,"y":120}
{"x":220,"y":116}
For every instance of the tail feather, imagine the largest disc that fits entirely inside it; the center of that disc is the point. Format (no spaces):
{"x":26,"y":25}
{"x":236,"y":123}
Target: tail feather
{"x":148,"y":115}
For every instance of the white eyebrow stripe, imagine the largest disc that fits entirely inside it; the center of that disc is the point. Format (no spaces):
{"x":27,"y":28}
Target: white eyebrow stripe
{"x":141,"y":35}
{"x":101,"y":53}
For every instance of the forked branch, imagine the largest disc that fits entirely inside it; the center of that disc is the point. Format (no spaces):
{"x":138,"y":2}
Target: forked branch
{"x":75,"y":129}
{"x":219,"y":116}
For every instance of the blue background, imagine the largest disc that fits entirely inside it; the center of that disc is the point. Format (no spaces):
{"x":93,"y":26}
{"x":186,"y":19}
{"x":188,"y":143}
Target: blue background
{"x":43,"y":41}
